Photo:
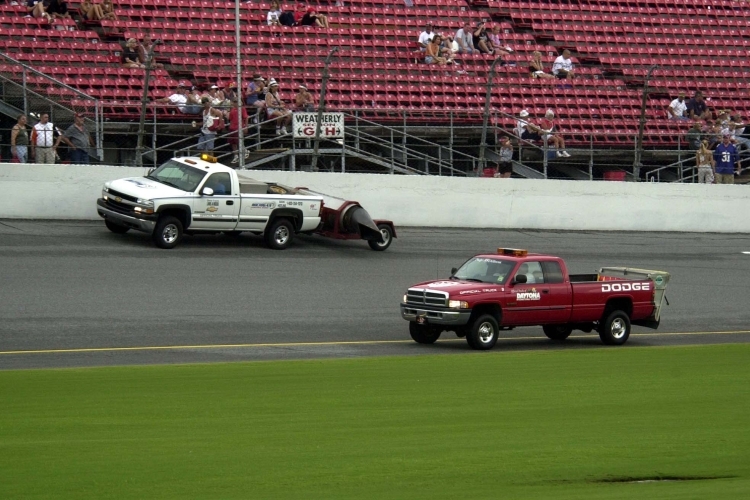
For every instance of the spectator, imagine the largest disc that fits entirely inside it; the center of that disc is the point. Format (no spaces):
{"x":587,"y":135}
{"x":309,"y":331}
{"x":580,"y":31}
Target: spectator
{"x":704,"y":160}
{"x":739,"y":131}
{"x":37,"y":9}
{"x":42,"y":140}
{"x":256,"y":95}
{"x":108,"y":10}
{"x":525,"y":128}
{"x":275,"y":108}
{"x":536,"y":66}
{"x":58,"y":9}
{"x":19,"y":140}
{"x":144,"y":48}
{"x":549,"y":132}
{"x":434,"y":51}
{"x":727,"y":160}
{"x":481,"y":41}
{"x":303,"y":101}
{"x":91,"y":11}
{"x":693,"y":137}
{"x":465,"y":39}
{"x":677,"y":108}
{"x":208,"y":136}
{"x":130,"y":55}
{"x":713,"y":133}
{"x":233,"y":138}
{"x":563,"y":66}
{"x":230,"y":94}
{"x":78,"y":138}
{"x":185,"y":103}
{"x":505,"y":165}
{"x":215,"y":95}
{"x":426,"y":36}
{"x":273,"y":18}
{"x":697,"y":108}
{"x":194,"y":104}
{"x":313,"y":18}
{"x":496,"y":44}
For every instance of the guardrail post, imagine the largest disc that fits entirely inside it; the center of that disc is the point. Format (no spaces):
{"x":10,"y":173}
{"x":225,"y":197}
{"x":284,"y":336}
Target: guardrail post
{"x":591,"y":157}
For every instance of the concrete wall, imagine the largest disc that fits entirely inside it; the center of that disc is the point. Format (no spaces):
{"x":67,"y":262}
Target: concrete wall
{"x":69,"y":192}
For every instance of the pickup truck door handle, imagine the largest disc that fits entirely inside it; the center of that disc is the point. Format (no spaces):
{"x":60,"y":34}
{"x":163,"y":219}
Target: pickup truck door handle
{"x":230,"y":202}
{"x":545,"y":291}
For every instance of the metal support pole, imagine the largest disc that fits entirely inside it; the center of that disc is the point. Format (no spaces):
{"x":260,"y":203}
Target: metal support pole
{"x":450,"y":144}
{"x":25,"y":96}
{"x":321,"y":108}
{"x":591,"y":157}
{"x":144,"y":101}
{"x":392,"y":152}
{"x":486,"y":115}
{"x":153,"y":141}
{"x":642,"y":124}
{"x":544,"y":161}
{"x":239,"y":104}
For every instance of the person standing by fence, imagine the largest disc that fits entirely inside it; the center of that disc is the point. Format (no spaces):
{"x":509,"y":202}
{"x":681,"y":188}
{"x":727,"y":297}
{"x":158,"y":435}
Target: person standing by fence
{"x":704,"y":160}
{"x":42,"y":140}
{"x":727,"y":159}
{"x":19,"y":140}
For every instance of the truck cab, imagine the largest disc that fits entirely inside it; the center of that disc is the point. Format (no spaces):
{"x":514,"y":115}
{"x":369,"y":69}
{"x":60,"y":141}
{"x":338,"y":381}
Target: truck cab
{"x":494,"y":292}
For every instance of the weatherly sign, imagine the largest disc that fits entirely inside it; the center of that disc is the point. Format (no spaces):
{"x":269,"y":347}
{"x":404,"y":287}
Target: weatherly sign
{"x":331,"y":125}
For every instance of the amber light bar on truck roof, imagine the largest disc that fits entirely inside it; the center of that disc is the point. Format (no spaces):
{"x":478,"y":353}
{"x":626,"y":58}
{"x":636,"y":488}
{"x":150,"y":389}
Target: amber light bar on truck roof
{"x":209,"y":158}
{"x":515,"y":252}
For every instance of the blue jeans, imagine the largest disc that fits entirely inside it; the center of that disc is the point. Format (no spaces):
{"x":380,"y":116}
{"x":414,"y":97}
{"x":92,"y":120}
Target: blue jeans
{"x":79,"y":157}
{"x":206,"y":142}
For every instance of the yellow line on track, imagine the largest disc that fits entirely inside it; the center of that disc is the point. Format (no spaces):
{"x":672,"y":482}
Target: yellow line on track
{"x":330,"y":343}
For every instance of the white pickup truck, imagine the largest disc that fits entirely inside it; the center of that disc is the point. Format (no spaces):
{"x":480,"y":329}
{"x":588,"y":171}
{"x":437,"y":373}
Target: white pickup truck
{"x":198,"y":195}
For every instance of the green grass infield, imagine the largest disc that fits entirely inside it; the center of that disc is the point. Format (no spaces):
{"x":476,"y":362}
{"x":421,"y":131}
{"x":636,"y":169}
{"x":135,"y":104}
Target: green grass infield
{"x":635,"y":423}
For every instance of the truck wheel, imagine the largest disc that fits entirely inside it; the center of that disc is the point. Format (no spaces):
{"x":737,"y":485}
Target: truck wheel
{"x":423,"y":334}
{"x":615,"y":330}
{"x":557,"y":332}
{"x":168,"y":232}
{"x":280,"y":234}
{"x":387,"y":233}
{"x":116,"y":228}
{"x":484,"y":332}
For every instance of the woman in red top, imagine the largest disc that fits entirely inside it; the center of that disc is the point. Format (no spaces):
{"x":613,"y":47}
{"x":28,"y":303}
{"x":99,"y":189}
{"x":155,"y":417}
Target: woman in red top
{"x":547,"y":125}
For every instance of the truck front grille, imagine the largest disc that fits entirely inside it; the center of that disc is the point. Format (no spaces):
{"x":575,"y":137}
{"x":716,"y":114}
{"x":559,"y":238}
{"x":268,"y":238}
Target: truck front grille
{"x":426,"y":297}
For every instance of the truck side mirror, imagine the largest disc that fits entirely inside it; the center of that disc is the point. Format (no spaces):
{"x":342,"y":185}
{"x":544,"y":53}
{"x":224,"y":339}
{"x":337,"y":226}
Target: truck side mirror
{"x":207,"y":191}
{"x":453,"y":270}
{"x":520,"y":278}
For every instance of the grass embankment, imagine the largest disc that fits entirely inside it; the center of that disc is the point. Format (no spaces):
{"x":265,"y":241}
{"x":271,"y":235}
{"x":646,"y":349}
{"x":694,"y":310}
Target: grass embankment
{"x":546,"y":424}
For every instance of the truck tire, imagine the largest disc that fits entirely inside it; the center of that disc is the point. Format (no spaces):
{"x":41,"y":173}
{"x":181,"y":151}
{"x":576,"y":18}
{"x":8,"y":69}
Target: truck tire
{"x":279,"y":234}
{"x":168,"y":232}
{"x":423,"y":334}
{"x":557,"y":332}
{"x":484,"y":332}
{"x":615,"y":329}
{"x":116,"y":228}
{"x":387,"y":233}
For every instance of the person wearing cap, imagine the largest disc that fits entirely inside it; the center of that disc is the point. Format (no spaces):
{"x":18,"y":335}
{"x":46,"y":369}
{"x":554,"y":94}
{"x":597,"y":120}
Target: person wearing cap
{"x":312,"y":17}
{"x":256,"y":95}
{"x":426,"y":37}
{"x":215,"y":95}
{"x":525,"y":128}
{"x":549,"y":132}
{"x":275,"y":108}
{"x":727,"y":161}
{"x":208,"y":136}
{"x":79,"y":140}
{"x":303,"y":100}
{"x":505,"y":164}
{"x":130,"y":55}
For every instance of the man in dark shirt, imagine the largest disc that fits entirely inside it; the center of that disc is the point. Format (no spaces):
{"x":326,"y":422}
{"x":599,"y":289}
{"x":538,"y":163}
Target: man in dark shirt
{"x":697,"y":108}
{"x":727,"y":160}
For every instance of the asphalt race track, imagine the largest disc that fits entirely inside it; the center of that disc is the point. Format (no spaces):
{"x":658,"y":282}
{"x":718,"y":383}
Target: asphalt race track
{"x":74,"y":294}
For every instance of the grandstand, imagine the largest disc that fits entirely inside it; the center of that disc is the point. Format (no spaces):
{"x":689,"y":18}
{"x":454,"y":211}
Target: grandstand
{"x":378,"y":71}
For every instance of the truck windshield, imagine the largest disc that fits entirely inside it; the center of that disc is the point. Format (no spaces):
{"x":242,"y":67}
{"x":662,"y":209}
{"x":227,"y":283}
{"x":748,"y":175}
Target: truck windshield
{"x":176,"y":174}
{"x":485,"y":270}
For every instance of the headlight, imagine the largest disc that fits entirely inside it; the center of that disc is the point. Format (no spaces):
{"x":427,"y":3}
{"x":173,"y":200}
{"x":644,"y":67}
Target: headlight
{"x":404,"y":298}
{"x":458,"y":304}
{"x":106,"y":189}
{"x":145,"y":202}
{"x":143,"y":210}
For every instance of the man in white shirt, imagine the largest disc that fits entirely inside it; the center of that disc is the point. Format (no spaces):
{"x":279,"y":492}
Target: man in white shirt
{"x":42,"y":140}
{"x":465,"y":39}
{"x":426,"y":37}
{"x":563,"y":66}
{"x":677,"y":108}
{"x":180,"y":99}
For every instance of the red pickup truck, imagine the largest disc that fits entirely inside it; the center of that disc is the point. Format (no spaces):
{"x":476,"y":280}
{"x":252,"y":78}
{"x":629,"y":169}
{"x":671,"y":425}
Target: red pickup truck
{"x":495,"y":292}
